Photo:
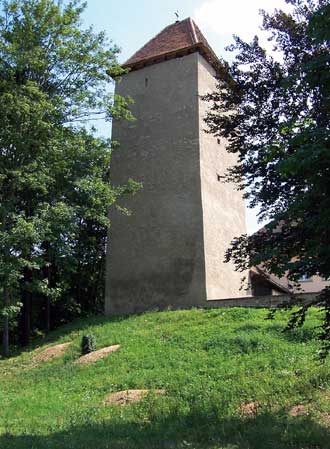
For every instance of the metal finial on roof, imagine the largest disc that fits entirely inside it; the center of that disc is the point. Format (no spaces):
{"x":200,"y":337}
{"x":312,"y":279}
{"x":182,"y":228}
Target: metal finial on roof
{"x":177,"y":16}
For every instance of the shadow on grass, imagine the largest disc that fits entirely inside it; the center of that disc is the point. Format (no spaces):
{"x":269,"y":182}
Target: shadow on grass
{"x":77,"y":325}
{"x":265,"y":431}
{"x":249,"y":328}
{"x":81,"y":324}
{"x":302,"y":334}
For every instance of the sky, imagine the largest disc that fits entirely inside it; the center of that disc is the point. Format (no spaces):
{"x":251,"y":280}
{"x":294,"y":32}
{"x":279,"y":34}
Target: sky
{"x":131,"y":23}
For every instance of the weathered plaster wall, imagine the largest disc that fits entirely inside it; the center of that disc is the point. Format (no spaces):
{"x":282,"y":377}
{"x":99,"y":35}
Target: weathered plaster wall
{"x":156,"y":255}
{"x":223,"y":206}
{"x":314,"y":284}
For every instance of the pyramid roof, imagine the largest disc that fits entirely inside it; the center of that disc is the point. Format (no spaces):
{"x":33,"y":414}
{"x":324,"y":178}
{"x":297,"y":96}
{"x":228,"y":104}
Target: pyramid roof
{"x":178,"y":39}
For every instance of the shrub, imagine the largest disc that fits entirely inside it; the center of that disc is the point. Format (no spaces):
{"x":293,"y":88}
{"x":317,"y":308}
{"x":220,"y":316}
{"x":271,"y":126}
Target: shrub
{"x":87,"y":344}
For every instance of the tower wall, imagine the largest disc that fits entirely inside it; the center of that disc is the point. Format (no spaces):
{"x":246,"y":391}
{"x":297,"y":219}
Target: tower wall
{"x":223,"y":206}
{"x":156,"y":255}
{"x":169,"y":251}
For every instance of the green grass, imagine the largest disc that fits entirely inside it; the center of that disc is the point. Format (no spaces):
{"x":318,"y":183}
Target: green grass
{"x":208,"y":361}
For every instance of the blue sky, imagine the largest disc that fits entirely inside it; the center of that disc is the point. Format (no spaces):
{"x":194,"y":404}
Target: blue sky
{"x":130,"y":24}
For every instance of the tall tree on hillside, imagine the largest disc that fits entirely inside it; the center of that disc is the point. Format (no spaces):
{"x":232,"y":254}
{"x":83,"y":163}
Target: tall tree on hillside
{"x":275,"y":114}
{"x":54,"y":186}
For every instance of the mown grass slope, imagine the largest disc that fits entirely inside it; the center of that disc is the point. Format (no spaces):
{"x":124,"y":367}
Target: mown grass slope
{"x":210,"y":362}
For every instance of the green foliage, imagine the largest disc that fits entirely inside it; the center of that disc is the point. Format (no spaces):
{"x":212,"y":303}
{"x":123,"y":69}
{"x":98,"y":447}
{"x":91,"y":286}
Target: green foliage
{"x":60,"y":404}
{"x":54,"y":171}
{"x":88,"y":344}
{"x":275,"y":114}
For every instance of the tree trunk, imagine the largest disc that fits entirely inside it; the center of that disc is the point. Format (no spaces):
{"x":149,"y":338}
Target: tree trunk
{"x":26,"y":319}
{"x":50,"y":274}
{"x":26,"y":289}
{"x":26,"y":311}
{"x":47,"y":315}
{"x":5,"y":332}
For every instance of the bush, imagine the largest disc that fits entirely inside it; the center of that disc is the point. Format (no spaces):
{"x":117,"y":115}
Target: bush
{"x":87,"y":344}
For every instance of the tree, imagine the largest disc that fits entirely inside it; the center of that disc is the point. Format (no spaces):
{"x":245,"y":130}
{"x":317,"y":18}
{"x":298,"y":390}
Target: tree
{"x":54,"y":171}
{"x":275,"y":114}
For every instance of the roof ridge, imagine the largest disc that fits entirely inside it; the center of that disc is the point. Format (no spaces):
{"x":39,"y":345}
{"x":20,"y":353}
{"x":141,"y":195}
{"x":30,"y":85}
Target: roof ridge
{"x":155,"y":37}
{"x":192,"y":24}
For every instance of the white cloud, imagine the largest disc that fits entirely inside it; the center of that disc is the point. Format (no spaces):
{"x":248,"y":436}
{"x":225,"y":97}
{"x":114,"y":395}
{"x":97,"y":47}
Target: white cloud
{"x":241,"y":17}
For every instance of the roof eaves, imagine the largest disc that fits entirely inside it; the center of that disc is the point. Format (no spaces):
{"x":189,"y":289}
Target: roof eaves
{"x":272,"y":281}
{"x":158,"y":58}
{"x":204,"y":50}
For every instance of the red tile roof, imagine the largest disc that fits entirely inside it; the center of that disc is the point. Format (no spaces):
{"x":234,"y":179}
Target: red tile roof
{"x":175,"y":40}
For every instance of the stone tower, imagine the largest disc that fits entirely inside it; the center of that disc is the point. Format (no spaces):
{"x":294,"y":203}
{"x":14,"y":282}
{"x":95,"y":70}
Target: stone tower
{"x":170,"y":250}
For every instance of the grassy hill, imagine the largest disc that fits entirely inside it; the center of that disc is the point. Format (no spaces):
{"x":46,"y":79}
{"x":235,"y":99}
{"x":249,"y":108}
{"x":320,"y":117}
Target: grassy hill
{"x":211,"y":363}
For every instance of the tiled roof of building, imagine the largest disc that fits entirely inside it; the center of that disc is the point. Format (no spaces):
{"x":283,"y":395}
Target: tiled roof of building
{"x":175,"y":40}
{"x":273,"y":280}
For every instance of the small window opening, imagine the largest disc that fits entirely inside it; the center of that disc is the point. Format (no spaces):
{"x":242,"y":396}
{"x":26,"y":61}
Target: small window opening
{"x":146,"y":81}
{"x":219,"y":141}
{"x":219,"y":177}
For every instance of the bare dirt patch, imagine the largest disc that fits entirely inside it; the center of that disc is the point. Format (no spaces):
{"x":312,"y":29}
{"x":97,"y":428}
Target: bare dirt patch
{"x":50,"y":353}
{"x":129,"y":396}
{"x":96,"y":355}
{"x":249,"y":408}
{"x":298,"y":410}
